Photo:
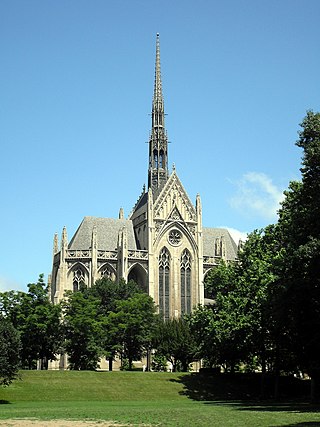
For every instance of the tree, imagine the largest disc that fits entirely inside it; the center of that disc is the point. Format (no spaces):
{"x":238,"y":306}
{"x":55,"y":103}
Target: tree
{"x":109,"y":294}
{"x":37,"y":321}
{"x":230,"y":320}
{"x":300,"y":227}
{"x":131,"y":326}
{"x":174,"y":341}
{"x":203,"y":330}
{"x":9,"y":352}
{"x":83,"y":326}
{"x":241,"y":318}
{"x":220,"y":279}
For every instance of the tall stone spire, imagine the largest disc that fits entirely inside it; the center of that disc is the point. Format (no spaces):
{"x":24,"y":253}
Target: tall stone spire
{"x":158,"y":142}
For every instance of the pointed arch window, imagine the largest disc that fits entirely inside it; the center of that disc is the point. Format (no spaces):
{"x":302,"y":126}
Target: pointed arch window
{"x":161,"y":159}
{"x":164,"y":283}
{"x":185,"y":283}
{"x":155,"y":159}
{"x":78,"y":279}
{"x":108,"y":273}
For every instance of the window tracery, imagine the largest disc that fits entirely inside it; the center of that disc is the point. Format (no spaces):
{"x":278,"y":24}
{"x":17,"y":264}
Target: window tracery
{"x":155,"y":159}
{"x":174,"y":237}
{"x":161,"y":160}
{"x":185,"y":282}
{"x":164,"y":283}
{"x":78,"y":279}
{"x":108,"y":273}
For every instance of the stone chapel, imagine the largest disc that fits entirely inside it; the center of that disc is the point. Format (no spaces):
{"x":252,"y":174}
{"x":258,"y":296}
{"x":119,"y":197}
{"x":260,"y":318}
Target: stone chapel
{"x":162,"y":245}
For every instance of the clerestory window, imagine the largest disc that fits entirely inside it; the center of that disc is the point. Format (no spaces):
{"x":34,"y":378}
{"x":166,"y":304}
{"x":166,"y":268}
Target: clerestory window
{"x":185,"y":282}
{"x":164,"y":283}
{"x":78,"y":279}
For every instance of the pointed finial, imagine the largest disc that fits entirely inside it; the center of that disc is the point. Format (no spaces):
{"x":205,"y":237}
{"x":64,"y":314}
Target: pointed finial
{"x":55,"y":244}
{"x":64,"y":238}
{"x":121,"y":214}
{"x":158,"y":142}
{"x":157,"y":97}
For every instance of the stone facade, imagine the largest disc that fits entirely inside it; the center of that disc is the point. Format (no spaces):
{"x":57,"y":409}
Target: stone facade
{"x":162,"y":245}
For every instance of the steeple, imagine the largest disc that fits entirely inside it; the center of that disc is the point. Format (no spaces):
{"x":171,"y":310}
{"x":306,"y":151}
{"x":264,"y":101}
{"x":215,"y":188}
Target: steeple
{"x":158,"y":142}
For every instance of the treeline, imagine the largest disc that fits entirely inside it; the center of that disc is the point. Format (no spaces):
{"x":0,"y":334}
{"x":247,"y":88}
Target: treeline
{"x":264,"y":313}
{"x":266,"y":307}
{"x":109,"y":320}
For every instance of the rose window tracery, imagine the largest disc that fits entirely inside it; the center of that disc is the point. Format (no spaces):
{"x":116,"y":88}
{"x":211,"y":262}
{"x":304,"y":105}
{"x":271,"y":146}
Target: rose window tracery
{"x":175,"y":237}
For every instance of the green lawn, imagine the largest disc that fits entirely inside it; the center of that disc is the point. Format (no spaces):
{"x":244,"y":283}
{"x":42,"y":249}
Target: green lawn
{"x":160,"y":399}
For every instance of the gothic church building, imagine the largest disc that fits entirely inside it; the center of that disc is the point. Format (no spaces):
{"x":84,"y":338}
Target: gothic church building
{"x":162,"y":245}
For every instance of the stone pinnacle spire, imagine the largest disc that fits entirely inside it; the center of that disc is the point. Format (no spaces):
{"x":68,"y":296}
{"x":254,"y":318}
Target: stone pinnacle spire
{"x":157,"y":96}
{"x":158,"y":143}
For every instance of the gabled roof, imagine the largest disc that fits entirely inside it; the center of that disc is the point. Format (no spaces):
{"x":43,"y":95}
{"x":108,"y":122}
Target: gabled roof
{"x":174,"y":182}
{"x":209,"y":237}
{"x":107,"y":233}
{"x":140,"y":206}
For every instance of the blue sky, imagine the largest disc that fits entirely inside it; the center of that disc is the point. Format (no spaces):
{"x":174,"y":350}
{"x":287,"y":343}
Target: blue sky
{"x":76,"y":84}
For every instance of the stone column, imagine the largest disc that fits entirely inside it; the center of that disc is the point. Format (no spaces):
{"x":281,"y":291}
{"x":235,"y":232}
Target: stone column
{"x":200,"y":295}
{"x":94,"y":256}
{"x":151,"y":256}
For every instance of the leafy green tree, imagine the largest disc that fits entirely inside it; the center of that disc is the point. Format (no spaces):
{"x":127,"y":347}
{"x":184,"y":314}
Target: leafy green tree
{"x":131,"y":326}
{"x":109,"y":294}
{"x":221,"y":279}
{"x":83,"y":327}
{"x":300,"y":227}
{"x":229,"y":318}
{"x":9,"y":352}
{"x":37,"y":321}
{"x":241,"y":318}
{"x":203,"y":329}
{"x":173,"y":340}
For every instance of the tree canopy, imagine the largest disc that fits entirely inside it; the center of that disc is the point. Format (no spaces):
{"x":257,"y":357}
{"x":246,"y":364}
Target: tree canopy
{"x":9,"y":352}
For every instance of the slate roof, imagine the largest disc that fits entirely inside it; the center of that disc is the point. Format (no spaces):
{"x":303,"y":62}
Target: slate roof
{"x":209,"y":237}
{"x":108,"y":229}
{"x":107,"y":233}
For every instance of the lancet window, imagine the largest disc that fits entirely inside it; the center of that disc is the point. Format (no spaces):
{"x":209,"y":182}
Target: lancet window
{"x":161,"y":160}
{"x":155,"y":158}
{"x":78,"y":279}
{"x":108,"y":273}
{"x":185,"y":275}
{"x":164,"y":283}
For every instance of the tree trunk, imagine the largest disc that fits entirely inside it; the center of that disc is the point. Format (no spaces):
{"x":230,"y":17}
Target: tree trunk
{"x":277,"y":373}
{"x":110,"y":360}
{"x":148,"y":368}
{"x":314,"y":392}
{"x":263,"y":376}
{"x":232,"y":368}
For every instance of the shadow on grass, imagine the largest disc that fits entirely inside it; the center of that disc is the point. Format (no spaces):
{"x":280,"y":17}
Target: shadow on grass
{"x":4,"y":402}
{"x":303,"y":424}
{"x":243,"y":391}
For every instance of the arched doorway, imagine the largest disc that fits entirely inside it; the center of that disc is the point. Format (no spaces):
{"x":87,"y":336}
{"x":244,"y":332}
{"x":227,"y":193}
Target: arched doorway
{"x":139,"y":275}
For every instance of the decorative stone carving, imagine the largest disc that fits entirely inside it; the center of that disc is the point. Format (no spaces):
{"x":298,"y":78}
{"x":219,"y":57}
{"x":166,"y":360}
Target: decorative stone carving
{"x":174,"y":237}
{"x":175,"y":215}
{"x":192,"y":229}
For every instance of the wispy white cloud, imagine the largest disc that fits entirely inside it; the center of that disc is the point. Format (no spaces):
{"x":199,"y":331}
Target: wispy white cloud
{"x":257,"y":194}
{"x":237,"y":235}
{"x":8,"y":285}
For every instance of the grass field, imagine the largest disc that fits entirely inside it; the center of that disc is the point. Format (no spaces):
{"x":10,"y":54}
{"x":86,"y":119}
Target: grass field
{"x":157,"y":399}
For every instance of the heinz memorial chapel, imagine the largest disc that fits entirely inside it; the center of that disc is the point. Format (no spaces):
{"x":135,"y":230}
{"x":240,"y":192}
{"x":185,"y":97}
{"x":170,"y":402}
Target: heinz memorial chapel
{"x":162,"y":245}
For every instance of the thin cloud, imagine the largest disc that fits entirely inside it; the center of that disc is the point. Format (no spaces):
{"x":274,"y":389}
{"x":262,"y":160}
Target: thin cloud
{"x":237,"y":235}
{"x":256,"y":194}
{"x":8,"y":285}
